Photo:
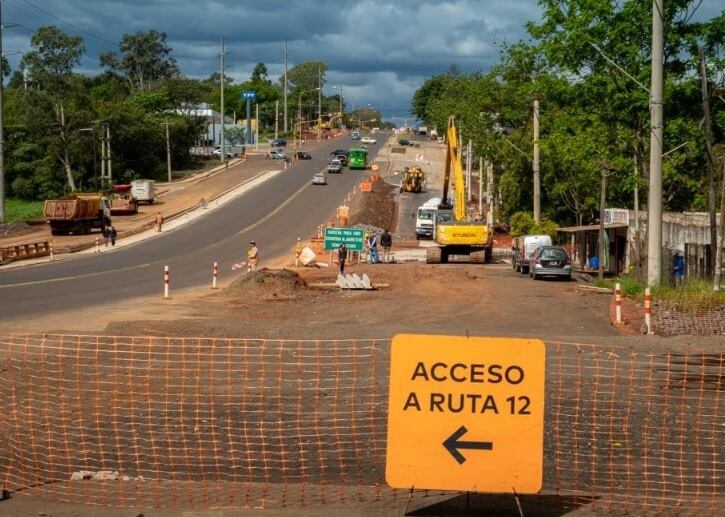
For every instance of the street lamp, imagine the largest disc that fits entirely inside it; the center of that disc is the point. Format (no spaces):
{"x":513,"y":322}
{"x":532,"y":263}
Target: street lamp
{"x":299,"y":106}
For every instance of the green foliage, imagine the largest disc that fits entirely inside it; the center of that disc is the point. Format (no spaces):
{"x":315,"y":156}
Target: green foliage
{"x":522,"y":223}
{"x":594,"y":119}
{"x":145,"y":59}
{"x":693,"y":296}
{"x":21,"y":210}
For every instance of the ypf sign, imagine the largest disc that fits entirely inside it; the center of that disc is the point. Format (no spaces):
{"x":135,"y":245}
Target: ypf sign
{"x":466,"y":414}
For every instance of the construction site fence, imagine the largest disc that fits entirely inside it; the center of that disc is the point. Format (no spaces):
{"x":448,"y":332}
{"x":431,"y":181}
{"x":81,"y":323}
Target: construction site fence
{"x":247,"y":423}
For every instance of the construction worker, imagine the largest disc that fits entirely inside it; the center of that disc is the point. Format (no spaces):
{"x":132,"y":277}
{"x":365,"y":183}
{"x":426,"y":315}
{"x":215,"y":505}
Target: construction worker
{"x":159,"y":222}
{"x":252,"y":257}
{"x":342,"y":257}
{"x":386,"y":241}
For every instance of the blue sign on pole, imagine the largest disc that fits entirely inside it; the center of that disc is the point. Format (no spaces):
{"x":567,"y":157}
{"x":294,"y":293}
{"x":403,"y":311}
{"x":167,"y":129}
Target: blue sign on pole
{"x":249,"y":95}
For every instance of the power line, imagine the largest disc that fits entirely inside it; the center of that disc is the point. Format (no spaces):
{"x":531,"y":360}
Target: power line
{"x":69,"y":23}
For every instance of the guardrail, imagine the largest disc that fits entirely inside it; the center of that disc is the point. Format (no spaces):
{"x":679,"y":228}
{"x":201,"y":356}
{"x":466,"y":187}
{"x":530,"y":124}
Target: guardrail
{"x":25,"y":251}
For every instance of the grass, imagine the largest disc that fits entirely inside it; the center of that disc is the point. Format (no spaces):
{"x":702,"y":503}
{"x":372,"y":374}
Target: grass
{"x":694,"y":294}
{"x":21,"y":210}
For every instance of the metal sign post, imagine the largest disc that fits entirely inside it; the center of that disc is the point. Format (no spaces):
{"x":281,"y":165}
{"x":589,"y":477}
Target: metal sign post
{"x":249,"y":96}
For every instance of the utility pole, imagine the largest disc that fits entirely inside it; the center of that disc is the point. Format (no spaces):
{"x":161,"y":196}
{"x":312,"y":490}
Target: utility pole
{"x":710,"y":160}
{"x":2,"y":133}
{"x":256,"y":126}
{"x":168,"y":150}
{"x":285,"y":87}
{"x":109,"y":168}
{"x":654,"y":198}
{"x":276,"y":119}
{"x":341,"y":112}
{"x":469,"y":170}
{"x":480,"y":187}
{"x":319,"y":101}
{"x":602,"y":202}
{"x":489,"y":193}
{"x":537,"y":165}
{"x":223,"y":154}
{"x":719,"y":263}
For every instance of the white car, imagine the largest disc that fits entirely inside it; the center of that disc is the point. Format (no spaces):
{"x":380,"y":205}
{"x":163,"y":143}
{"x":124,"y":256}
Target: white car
{"x":218,"y":152}
{"x":368,"y":140}
{"x":319,"y":179}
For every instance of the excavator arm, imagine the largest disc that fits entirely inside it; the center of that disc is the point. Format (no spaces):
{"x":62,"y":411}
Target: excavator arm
{"x":453,"y":164}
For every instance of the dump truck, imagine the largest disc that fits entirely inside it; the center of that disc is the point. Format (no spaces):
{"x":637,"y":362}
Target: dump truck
{"x":454,"y":232}
{"x":77,"y":214}
{"x":413,"y":179}
{"x":122,"y":200}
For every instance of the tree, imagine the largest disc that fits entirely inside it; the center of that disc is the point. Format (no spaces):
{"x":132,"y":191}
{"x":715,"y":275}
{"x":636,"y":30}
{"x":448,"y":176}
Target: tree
{"x":145,"y":59}
{"x":50,"y":64}
{"x":259,"y":73}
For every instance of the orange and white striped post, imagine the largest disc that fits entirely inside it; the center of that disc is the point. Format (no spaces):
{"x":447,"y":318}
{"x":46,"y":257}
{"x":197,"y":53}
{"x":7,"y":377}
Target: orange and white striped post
{"x":648,"y":310}
{"x":215,"y":274}
{"x":618,"y":302}
{"x":166,"y":282}
{"x":298,"y":252}
{"x":98,"y":245}
{"x":50,"y":249}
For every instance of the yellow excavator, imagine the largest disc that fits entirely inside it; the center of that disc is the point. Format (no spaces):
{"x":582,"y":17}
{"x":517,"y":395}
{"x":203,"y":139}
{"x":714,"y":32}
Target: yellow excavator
{"x":453,"y":232}
{"x":413,"y":179}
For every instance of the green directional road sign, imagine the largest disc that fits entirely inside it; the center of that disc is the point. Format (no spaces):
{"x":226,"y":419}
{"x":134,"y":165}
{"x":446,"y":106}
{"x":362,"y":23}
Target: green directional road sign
{"x":352,"y":238}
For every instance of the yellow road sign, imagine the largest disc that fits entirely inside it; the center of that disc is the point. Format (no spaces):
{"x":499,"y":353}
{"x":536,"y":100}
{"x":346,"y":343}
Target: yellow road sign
{"x":466,"y":414}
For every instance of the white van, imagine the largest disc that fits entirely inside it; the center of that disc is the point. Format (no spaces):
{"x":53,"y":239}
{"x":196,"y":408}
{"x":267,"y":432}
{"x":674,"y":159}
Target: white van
{"x":523,"y":249}
{"x":143,"y":191}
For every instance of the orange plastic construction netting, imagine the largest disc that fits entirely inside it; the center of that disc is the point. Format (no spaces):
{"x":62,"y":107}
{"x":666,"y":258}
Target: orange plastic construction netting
{"x":230,"y":423}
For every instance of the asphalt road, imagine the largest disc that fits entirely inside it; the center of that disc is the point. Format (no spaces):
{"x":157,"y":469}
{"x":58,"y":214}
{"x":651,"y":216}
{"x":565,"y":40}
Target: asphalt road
{"x":273,"y":214}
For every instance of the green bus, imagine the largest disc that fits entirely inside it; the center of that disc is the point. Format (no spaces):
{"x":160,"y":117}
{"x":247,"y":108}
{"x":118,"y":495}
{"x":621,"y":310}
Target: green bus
{"x":357,"y":158}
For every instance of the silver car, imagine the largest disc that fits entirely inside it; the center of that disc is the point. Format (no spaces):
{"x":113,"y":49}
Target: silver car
{"x":550,"y":261}
{"x":319,"y":179}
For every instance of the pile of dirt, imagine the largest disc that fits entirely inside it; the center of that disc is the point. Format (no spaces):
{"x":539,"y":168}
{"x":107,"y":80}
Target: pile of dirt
{"x":376,"y":208}
{"x":270,"y":284}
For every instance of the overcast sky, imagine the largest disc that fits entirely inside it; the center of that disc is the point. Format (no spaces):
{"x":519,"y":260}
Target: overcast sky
{"x":379,"y":50}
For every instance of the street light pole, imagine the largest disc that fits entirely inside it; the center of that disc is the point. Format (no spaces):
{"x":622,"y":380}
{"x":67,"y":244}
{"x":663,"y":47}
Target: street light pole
{"x":654,"y":204}
{"x":222,"y":155}
{"x":285,"y":87}
{"x":319,"y":101}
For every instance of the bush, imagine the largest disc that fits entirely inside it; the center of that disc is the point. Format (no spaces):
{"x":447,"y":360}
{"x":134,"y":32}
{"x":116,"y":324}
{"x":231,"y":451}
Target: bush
{"x":522,"y":223}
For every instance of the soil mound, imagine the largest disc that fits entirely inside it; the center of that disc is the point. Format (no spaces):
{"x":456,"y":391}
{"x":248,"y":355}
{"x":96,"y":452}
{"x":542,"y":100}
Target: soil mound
{"x":270,"y":284}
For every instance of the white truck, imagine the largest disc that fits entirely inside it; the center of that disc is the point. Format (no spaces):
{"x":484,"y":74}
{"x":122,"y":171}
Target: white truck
{"x":422,"y":130}
{"x":425,"y":219}
{"x":143,"y":191}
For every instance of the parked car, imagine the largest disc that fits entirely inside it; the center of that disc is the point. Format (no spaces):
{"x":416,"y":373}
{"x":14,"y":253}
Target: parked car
{"x":218,"y":153}
{"x":335,"y":167}
{"x":550,"y":261}
{"x":303,"y":155}
{"x":319,"y":179}
{"x":277,"y":155}
{"x":523,"y":249}
{"x":368,"y":140}
{"x":403,"y":141}
{"x":279,"y":142}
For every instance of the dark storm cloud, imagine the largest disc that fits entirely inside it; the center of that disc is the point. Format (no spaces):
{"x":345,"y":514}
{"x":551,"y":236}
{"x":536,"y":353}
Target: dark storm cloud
{"x":378,"y":50}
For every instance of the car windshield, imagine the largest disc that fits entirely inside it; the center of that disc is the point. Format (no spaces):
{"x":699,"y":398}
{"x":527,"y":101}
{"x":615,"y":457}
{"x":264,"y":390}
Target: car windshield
{"x":553,"y":254}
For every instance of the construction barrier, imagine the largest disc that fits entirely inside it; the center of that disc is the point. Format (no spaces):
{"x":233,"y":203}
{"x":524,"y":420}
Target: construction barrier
{"x":246,"y":423}
{"x":25,"y":251}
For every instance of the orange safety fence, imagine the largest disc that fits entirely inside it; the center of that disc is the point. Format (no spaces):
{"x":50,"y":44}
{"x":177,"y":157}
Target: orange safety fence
{"x":231,"y":423}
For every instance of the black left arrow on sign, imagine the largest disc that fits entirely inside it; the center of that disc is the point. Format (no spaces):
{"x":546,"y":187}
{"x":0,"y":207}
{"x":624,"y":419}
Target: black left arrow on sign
{"x":453,"y":444}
